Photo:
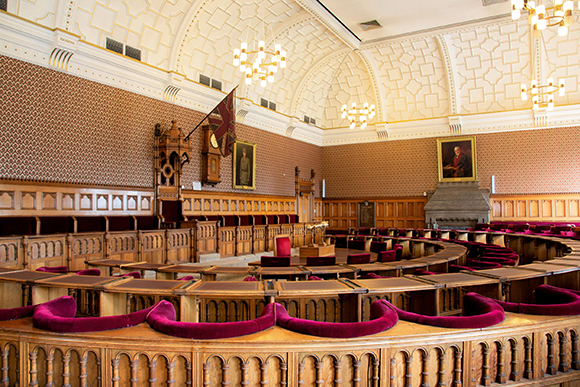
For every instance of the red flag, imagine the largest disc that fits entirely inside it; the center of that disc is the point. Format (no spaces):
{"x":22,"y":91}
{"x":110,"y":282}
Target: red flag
{"x":223,"y":123}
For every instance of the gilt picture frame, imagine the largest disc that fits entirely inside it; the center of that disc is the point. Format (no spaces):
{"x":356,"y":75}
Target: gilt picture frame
{"x":456,"y":159}
{"x":244,"y":165}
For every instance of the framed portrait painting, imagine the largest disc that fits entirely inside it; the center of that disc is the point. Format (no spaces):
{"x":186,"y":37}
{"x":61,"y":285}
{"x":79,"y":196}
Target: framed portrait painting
{"x":456,"y":158}
{"x":244,"y":169}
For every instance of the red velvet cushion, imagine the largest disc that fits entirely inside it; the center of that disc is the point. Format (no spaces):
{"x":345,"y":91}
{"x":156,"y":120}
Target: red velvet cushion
{"x":314,"y":278}
{"x":16,"y":313}
{"x":54,"y":269}
{"x":93,"y":272}
{"x":552,"y":301}
{"x":186,"y":278}
{"x":162,"y":318}
{"x":479,"y":312}
{"x":424,"y":272}
{"x":58,"y":316}
{"x":383,"y":316}
{"x":250,"y":279}
{"x":134,"y":274}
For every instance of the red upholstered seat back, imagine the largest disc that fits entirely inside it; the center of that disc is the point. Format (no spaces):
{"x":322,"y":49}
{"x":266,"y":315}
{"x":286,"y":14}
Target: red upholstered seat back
{"x":321,"y":261}
{"x":386,"y":256}
{"x":269,"y":261}
{"x":282,"y":247}
{"x":355,"y":259}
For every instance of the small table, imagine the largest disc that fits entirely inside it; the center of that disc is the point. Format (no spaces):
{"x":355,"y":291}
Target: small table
{"x":316,"y":251}
{"x":405,"y":293}
{"x":298,"y":294}
{"x":115,"y":297}
{"x":455,"y":285}
{"x":11,"y":292}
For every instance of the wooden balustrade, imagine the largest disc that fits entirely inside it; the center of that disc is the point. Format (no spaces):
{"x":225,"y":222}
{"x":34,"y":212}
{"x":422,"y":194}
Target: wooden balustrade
{"x":155,"y":246}
{"x":523,"y":350}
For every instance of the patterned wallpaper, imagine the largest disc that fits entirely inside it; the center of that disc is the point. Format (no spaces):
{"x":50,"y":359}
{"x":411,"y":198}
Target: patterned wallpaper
{"x":523,"y":162}
{"x":61,"y":128}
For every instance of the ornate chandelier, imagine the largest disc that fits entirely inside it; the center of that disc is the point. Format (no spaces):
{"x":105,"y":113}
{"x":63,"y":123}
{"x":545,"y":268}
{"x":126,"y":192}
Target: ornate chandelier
{"x":540,"y":16}
{"x":543,"y":95}
{"x":264,"y":65}
{"x":363,"y":114}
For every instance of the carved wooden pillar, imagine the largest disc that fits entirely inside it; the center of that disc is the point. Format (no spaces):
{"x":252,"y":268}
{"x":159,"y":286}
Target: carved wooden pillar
{"x":485,"y":379}
{"x":441,"y":371}
{"x":206,"y":379}
{"x":135,"y":372}
{"x":500,"y":377}
{"x":5,"y":354}
{"x":283,"y":373}
{"x":356,"y":379}
{"x":171,"y":373}
{"x":301,"y":367}
{"x":33,"y":356}
{"x":425,"y":370}
{"x":392,"y":372}
{"x":551,"y":368}
{"x":376,"y":369}
{"x":83,"y":369}
{"x":409,"y":371}
{"x":514,"y":364}
{"x":245,"y":373}
{"x":115,"y":371}
{"x":528,"y":370}
{"x":575,"y":352}
{"x":457,"y":368}
{"x":225,"y":374}
{"x":66,"y":370}
{"x":563,"y":366}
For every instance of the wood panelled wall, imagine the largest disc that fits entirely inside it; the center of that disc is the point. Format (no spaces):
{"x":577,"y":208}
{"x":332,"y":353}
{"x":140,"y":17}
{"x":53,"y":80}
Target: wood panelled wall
{"x":406,"y":212}
{"x":536,"y":208}
{"x":220,"y":203}
{"x":22,"y":199}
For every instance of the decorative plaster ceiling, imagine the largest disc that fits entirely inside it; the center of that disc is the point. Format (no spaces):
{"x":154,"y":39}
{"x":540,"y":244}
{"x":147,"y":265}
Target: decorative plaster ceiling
{"x":434,"y":69}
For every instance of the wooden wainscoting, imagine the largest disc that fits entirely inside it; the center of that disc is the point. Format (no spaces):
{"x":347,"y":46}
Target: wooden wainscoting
{"x":220,"y":203}
{"x":535,"y":208}
{"x":404,"y":212}
{"x":29,"y":199}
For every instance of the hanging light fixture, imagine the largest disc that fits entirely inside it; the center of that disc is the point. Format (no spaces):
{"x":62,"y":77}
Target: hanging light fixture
{"x":364,"y":114}
{"x":541,"y":17}
{"x":543,"y":95}
{"x":259,"y":64}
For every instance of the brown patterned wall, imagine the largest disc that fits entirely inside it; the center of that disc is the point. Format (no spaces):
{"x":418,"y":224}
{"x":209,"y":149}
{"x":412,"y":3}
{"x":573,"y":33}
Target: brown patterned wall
{"x":60,"y":128}
{"x":523,"y":162}
{"x":391,"y":168}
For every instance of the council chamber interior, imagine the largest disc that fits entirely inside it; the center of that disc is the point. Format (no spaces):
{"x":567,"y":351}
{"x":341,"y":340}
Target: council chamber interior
{"x":290,"y":192}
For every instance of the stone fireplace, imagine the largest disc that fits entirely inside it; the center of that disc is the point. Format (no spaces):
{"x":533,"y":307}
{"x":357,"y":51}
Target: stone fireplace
{"x":457,"y":205}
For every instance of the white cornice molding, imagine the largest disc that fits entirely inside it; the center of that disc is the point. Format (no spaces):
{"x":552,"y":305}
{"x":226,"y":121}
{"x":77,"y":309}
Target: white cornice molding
{"x":32,"y":43}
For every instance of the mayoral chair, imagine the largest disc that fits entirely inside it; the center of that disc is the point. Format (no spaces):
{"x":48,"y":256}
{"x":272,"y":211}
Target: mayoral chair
{"x":282,"y":246}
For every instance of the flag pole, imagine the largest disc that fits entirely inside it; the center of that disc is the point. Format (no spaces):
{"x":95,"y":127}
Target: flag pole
{"x":201,"y":122}
{"x":208,"y":114}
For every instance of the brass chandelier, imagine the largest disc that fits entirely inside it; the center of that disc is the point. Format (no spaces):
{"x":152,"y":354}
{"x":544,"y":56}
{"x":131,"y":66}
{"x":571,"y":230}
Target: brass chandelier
{"x":540,"y":17}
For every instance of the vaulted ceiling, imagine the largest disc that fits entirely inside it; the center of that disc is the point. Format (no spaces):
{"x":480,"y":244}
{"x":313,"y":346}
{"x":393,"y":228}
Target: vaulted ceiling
{"x":433,"y":68}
